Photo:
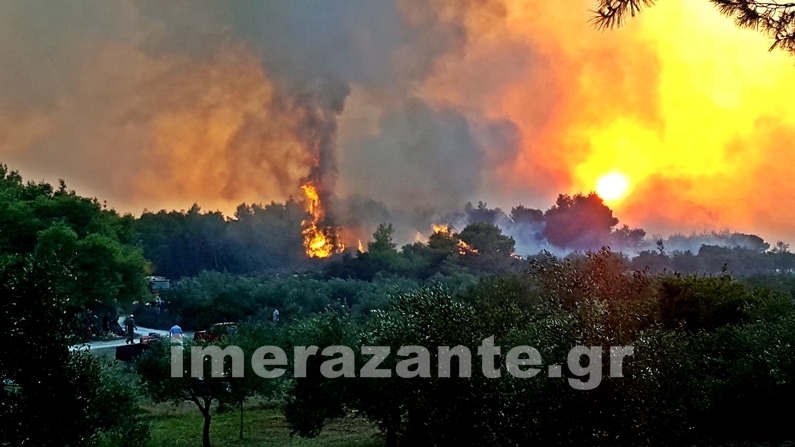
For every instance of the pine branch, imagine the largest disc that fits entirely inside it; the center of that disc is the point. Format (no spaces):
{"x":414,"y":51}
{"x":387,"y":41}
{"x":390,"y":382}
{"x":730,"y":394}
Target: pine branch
{"x":772,"y":18}
{"x":613,"y":13}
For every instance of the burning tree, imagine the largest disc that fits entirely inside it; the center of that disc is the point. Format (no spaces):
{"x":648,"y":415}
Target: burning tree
{"x":321,"y":239}
{"x":444,"y":233}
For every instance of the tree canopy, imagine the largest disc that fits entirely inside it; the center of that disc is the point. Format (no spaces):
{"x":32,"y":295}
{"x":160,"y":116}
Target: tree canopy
{"x":97,"y":245}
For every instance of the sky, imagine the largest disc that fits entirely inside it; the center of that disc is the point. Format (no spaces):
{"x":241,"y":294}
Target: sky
{"x":402,"y":108}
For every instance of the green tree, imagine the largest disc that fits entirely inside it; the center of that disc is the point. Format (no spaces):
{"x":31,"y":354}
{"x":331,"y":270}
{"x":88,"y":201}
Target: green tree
{"x":579,"y":222}
{"x":404,"y":407}
{"x":49,"y":392}
{"x":523,"y":215}
{"x":250,"y":336}
{"x":486,"y":249}
{"x":625,"y":238}
{"x":104,"y":269}
{"x":383,"y":250}
{"x":444,"y":242}
{"x":97,"y":245}
{"x":154,"y":369}
{"x":382,"y":244}
{"x":313,"y":399}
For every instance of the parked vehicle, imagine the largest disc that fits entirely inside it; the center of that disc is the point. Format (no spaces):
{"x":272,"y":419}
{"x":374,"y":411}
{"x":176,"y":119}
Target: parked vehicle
{"x":215,"y":332}
{"x":158,"y":283}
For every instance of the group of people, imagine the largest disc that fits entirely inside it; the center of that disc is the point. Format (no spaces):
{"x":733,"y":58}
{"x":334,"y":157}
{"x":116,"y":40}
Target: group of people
{"x":175,"y":333}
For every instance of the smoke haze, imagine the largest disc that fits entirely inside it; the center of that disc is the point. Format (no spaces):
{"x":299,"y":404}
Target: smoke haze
{"x":401,"y":111}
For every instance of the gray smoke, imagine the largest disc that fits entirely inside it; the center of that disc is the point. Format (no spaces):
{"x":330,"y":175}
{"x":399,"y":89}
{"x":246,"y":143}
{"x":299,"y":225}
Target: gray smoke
{"x":693,"y":242}
{"x":160,"y":105}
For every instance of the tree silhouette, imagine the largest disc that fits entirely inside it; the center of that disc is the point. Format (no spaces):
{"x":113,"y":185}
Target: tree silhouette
{"x":579,"y":222}
{"x":774,"y":19}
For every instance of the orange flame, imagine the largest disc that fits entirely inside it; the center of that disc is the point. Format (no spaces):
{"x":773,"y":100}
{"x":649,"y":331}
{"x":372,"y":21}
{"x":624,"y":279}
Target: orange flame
{"x":464,"y":248}
{"x":440,"y":228}
{"x":319,"y":243}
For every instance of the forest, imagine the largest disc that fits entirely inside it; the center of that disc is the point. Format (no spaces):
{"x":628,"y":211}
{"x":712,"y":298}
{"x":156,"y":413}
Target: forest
{"x":712,"y":329}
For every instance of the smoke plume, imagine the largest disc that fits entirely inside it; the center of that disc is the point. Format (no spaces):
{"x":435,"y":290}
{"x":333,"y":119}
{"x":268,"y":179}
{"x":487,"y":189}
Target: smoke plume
{"x":406,"y":109}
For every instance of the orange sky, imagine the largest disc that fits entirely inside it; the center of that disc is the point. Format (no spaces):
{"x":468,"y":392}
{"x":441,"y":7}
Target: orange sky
{"x":695,"y":112}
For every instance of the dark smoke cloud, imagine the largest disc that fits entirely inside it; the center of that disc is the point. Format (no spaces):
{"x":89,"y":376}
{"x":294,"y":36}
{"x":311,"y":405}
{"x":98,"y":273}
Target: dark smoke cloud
{"x":423,"y":158}
{"x":320,"y":105}
{"x":416,"y":105}
{"x":160,"y":105}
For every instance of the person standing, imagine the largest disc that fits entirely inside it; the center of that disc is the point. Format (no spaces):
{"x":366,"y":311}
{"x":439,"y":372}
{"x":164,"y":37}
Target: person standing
{"x":129,"y":324}
{"x":175,"y":333}
{"x":276,"y":316}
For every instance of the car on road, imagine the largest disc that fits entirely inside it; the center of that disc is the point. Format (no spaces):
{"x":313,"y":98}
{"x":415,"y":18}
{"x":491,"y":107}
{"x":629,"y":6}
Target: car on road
{"x":215,"y":332}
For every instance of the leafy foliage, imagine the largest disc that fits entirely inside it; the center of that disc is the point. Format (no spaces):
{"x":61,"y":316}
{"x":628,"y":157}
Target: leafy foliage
{"x":95,"y":244}
{"x":47,"y":387}
{"x":313,"y":399}
{"x":703,"y":347}
{"x":155,"y":371}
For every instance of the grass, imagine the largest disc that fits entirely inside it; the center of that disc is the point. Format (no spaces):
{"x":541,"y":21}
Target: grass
{"x":182,"y":426}
{"x":263,"y":426}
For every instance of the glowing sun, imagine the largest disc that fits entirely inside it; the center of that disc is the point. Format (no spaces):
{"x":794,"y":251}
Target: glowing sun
{"x":612,"y":186}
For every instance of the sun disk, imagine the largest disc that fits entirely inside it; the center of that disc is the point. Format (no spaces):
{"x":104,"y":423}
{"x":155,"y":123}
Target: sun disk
{"x":612,"y":186}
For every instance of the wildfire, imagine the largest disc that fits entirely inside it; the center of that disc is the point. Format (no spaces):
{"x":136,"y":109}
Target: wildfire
{"x":361,"y":247}
{"x":318,"y":242}
{"x":464,"y":248}
{"x":440,"y":228}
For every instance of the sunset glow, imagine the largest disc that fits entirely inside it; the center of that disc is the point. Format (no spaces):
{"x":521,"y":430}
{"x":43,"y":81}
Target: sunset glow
{"x":612,"y":186}
{"x":505,"y":100}
{"x":680,"y":100}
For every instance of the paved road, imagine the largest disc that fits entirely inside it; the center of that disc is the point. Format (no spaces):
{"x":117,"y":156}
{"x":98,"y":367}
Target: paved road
{"x":121,"y":342}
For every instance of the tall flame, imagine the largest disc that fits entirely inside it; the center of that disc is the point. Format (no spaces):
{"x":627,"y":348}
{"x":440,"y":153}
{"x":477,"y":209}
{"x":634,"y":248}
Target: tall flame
{"x":318,"y":242}
{"x":440,"y":228}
